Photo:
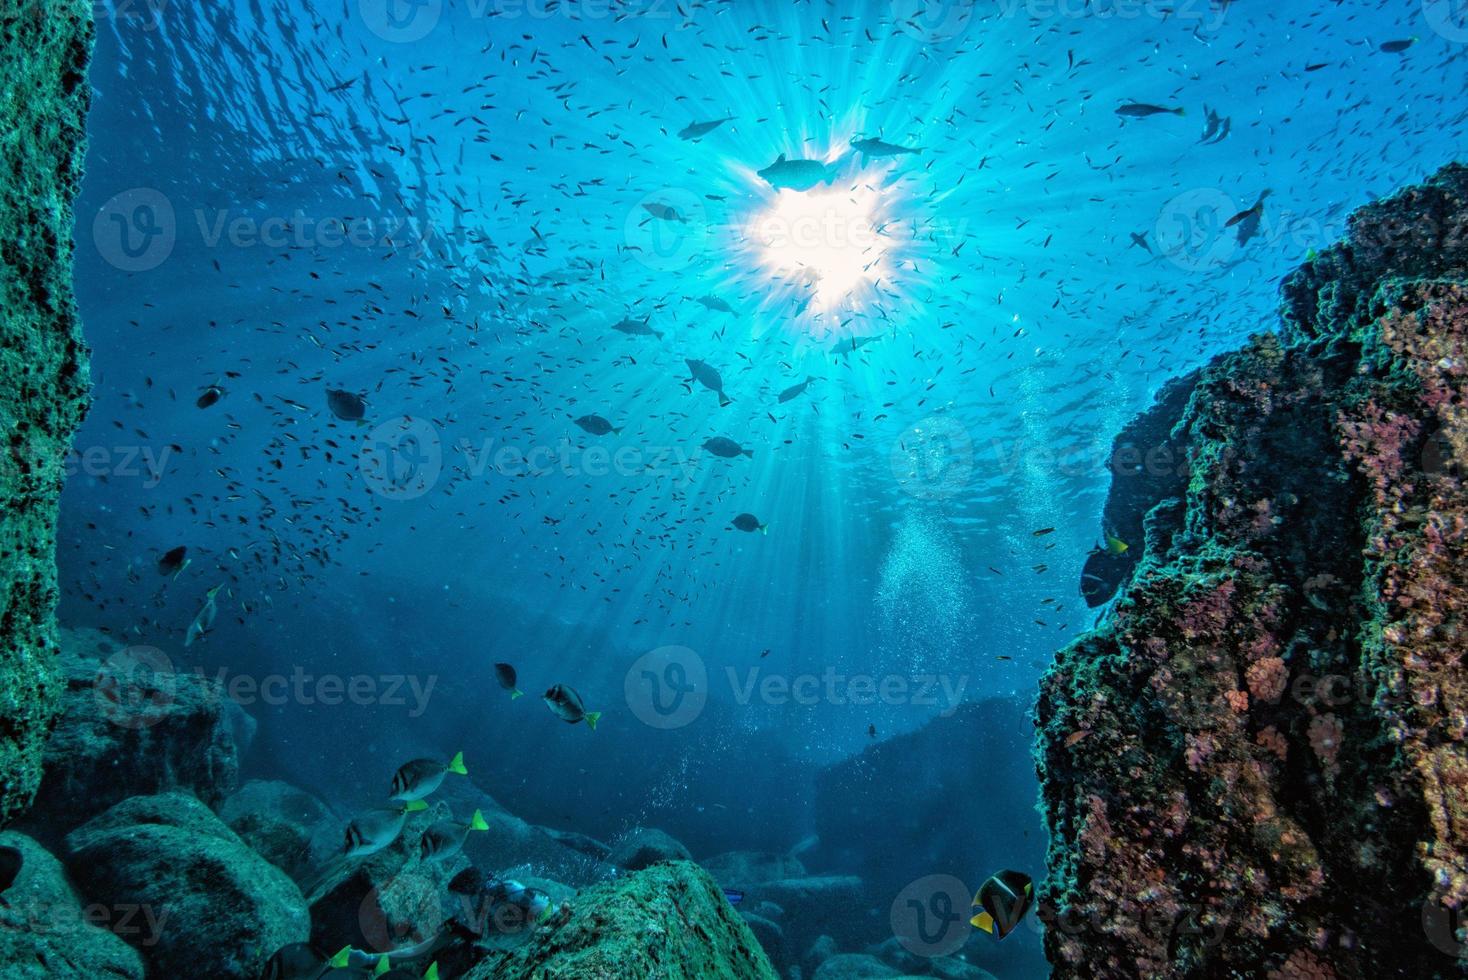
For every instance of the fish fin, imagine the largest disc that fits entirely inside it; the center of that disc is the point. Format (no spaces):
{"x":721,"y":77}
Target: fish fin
{"x":592,"y":718}
{"x":457,"y":766}
{"x":382,"y":966}
{"x":658,"y":334}
{"x":342,"y":959}
{"x":414,"y":806}
{"x":517,"y":693}
{"x":780,"y":158}
{"x":477,"y":823}
{"x":983,"y":921}
{"x":432,"y":973}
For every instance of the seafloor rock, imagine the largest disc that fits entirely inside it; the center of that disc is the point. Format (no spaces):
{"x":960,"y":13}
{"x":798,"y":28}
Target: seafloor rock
{"x":831,"y":905}
{"x":46,"y":932}
{"x":130,"y":726}
{"x":854,"y":966}
{"x":740,"y":869}
{"x":44,"y":52}
{"x":220,"y":908}
{"x":1256,"y":765}
{"x":670,"y":921}
{"x":280,"y":823}
{"x":643,"y":847}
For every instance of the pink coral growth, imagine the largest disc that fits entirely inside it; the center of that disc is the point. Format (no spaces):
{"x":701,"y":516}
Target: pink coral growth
{"x":1376,"y":442}
{"x":1326,"y":733}
{"x":1271,"y":739}
{"x":1267,"y":679}
{"x":1303,"y":965}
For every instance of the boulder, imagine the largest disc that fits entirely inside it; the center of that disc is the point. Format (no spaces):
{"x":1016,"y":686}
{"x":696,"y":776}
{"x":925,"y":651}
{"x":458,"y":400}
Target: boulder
{"x":670,"y":921}
{"x":45,"y":931}
{"x":643,"y":847}
{"x":220,"y":908}
{"x":741,"y":869}
{"x":771,"y":939}
{"x":281,"y":823}
{"x":130,"y":726}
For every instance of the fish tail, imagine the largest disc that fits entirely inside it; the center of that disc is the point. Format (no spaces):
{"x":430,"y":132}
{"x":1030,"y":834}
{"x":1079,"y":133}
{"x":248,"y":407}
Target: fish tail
{"x":616,"y":432}
{"x":342,"y":959}
{"x":724,"y":400}
{"x":516,"y":693}
{"x":1180,"y":111}
{"x":413,"y":806}
{"x":457,"y":766}
{"x":749,"y":453}
{"x":592,"y":718}
{"x":478,"y":823}
{"x":658,"y":334}
{"x":764,"y":529}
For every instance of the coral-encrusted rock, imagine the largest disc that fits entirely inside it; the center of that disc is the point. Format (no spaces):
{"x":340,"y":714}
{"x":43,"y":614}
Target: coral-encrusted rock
{"x":46,"y":932}
{"x":219,"y":908}
{"x":130,"y":726}
{"x":44,"y":52}
{"x":670,"y":921}
{"x":1256,"y":765}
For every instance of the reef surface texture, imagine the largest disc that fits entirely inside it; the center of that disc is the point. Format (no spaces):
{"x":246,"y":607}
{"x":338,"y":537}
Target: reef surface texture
{"x":669,"y":921}
{"x":44,"y":52}
{"x":1255,"y":765}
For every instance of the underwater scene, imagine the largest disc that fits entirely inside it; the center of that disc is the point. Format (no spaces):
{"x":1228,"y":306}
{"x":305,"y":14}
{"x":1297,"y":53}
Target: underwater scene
{"x":965,"y":489}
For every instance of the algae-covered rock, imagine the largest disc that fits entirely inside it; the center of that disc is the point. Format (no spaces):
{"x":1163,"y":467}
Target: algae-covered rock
{"x":1255,"y":766}
{"x":46,"y":931}
{"x":130,"y":726}
{"x":832,"y":905}
{"x":668,"y":922}
{"x":740,"y":869}
{"x":44,"y":52}
{"x":645,"y":846}
{"x":220,"y":908}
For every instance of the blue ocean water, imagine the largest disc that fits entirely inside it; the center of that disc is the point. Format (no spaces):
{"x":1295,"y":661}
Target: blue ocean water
{"x":448,"y":208}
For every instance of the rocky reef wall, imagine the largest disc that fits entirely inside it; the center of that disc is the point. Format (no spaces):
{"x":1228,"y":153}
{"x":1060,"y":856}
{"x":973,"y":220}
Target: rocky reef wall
{"x":45,"y":46}
{"x":1255,"y":766}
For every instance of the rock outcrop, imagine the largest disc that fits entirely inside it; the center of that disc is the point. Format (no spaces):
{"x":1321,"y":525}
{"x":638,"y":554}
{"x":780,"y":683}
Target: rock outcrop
{"x":1255,"y":766}
{"x":217,"y":909}
{"x":130,"y":726}
{"x":670,"y":921}
{"x":44,"y":52}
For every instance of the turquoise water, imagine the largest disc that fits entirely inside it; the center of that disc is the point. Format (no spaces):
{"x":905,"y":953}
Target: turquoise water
{"x":447,"y":208}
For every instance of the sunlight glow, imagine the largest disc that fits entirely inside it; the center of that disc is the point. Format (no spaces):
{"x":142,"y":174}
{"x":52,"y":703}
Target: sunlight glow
{"x":828,"y":243}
